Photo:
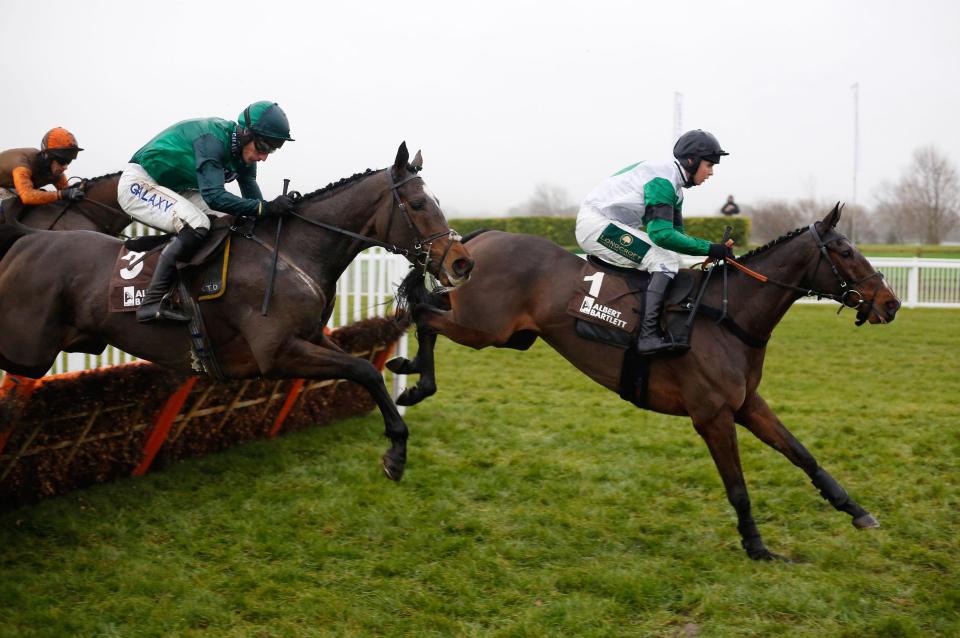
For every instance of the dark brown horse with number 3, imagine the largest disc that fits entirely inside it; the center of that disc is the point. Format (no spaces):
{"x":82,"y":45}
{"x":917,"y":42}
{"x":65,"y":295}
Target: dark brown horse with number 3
{"x":54,"y":288}
{"x":520,"y":290}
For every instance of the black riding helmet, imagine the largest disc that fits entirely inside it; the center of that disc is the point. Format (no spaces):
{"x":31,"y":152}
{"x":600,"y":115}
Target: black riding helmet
{"x":697,"y":145}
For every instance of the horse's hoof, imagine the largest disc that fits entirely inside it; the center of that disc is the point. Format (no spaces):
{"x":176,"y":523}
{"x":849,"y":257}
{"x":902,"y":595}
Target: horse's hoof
{"x":399,"y":365}
{"x":392,"y":468}
{"x":766,"y":554}
{"x":412,"y":396}
{"x":407,"y":398}
{"x":865,"y":522}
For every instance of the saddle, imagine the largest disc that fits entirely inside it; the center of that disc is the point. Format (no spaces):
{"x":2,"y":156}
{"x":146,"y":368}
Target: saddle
{"x":607,"y":306}
{"x":138,"y":257}
{"x":620,"y":290}
{"x":205,"y":273}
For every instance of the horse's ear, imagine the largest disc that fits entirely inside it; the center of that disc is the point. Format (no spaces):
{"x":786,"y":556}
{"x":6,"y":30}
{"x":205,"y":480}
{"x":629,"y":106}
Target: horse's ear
{"x":832,"y":217}
{"x":403,"y":155}
{"x":417,"y":162}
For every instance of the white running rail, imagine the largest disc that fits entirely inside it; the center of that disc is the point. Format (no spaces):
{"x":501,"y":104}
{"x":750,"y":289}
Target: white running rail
{"x":919,"y":283}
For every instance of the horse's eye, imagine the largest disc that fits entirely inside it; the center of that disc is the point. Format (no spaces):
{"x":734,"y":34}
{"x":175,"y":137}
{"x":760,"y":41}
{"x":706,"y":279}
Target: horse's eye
{"x":846,"y":254}
{"x":418,"y":204}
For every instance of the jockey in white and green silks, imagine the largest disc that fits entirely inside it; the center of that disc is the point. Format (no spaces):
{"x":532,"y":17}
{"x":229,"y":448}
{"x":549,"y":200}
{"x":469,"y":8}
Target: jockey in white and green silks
{"x":633,"y":219}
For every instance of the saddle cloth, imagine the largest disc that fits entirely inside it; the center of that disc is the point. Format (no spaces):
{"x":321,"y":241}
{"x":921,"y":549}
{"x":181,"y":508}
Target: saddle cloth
{"x":607,"y":298}
{"x":134,"y":268}
{"x":608,"y":304}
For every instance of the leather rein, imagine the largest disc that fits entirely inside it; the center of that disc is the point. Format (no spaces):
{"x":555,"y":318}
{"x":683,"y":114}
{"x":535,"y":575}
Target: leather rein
{"x":419,"y":255}
{"x":849,"y":297}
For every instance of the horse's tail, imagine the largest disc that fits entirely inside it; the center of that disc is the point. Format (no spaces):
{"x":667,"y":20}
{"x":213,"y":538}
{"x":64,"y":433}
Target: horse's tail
{"x":10,"y":231}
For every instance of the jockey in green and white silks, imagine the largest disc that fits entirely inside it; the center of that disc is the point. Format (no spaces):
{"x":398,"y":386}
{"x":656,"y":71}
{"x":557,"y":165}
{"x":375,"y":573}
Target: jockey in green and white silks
{"x":174,"y":181}
{"x":634,"y":219}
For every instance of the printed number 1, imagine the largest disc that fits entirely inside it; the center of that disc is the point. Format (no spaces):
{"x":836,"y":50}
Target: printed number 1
{"x":596,"y":280}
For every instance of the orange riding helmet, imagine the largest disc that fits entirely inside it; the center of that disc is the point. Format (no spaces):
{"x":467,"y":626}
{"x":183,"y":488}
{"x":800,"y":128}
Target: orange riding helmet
{"x":60,"y":143}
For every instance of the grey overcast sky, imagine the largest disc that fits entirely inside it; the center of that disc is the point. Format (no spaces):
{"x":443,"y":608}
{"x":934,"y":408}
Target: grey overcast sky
{"x":502,"y":95}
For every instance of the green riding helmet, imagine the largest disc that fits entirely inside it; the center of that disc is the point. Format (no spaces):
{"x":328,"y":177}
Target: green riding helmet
{"x":266,"y":119}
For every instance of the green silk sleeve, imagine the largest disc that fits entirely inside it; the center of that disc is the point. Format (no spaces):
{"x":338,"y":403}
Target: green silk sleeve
{"x":663,"y":234}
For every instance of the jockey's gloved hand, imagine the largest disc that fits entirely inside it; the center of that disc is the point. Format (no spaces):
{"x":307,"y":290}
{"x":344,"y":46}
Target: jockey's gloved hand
{"x":282,"y":205}
{"x":719,"y":251}
{"x":74,"y":194}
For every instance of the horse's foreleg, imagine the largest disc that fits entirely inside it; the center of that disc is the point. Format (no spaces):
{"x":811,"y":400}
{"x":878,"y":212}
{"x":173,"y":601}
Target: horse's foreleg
{"x":422,"y":364}
{"x":431,"y":322}
{"x":720,"y":436}
{"x":298,"y":358}
{"x":757,"y":417}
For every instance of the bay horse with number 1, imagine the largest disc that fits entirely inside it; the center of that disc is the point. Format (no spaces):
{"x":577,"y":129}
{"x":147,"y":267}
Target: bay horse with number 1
{"x":520,"y":290}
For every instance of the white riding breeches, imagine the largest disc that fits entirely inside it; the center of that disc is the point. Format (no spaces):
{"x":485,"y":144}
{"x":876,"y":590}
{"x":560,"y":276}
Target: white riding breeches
{"x":621,"y":245}
{"x":160,"y":207}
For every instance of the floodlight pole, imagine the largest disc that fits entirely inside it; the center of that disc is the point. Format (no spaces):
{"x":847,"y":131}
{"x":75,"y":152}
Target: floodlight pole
{"x":856,"y":153}
{"x":677,"y":114}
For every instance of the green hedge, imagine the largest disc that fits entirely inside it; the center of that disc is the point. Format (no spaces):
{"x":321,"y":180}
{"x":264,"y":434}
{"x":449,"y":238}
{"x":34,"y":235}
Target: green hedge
{"x":561,"y":229}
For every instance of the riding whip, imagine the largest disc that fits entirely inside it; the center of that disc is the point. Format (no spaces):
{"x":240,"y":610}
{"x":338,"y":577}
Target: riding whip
{"x":276,"y":254}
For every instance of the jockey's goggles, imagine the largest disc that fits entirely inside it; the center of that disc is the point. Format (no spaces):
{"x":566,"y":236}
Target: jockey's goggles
{"x":62,"y":159}
{"x":266,"y":145}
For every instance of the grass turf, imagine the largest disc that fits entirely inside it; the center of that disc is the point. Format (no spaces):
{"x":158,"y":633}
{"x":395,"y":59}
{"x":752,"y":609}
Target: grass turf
{"x":535,"y":504}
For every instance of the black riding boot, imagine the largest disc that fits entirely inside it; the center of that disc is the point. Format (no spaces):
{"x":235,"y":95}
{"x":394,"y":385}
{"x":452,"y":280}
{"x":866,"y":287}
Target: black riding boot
{"x":650,"y":341}
{"x":181,"y":248}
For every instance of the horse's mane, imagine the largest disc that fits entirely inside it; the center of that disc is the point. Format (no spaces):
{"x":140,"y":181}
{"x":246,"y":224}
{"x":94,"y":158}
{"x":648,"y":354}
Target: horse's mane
{"x":335,"y":187}
{"x":770,"y":244}
{"x":326,"y":191}
{"x":91,"y":180}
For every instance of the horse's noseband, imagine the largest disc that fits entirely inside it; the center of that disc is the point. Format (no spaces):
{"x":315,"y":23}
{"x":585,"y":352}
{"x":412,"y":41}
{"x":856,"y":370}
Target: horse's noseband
{"x":850,"y":296}
{"x":421,"y":245}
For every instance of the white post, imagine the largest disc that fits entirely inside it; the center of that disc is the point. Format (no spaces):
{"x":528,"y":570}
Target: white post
{"x":357,"y":288}
{"x":913,"y":284}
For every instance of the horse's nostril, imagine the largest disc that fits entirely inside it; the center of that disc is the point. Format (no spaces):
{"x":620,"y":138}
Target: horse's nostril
{"x":462,"y":267}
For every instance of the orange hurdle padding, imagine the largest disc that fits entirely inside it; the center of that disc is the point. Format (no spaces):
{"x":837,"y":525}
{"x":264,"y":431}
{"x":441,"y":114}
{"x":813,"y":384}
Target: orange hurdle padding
{"x":19,"y":390}
{"x":14,"y":383}
{"x":381,"y":359}
{"x":292,"y":395}
{"x":162,"y":425}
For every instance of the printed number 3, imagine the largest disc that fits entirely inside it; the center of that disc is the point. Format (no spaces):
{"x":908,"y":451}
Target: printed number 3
{"x":596,"y":280}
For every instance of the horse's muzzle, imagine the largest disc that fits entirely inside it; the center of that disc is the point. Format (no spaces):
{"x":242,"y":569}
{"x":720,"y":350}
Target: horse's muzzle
{"x":457,"y":265}
{"x":878,"y":312}
{"x":462,"y":267}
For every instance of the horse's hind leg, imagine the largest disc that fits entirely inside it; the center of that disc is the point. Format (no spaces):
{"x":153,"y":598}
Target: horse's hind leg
{"x":757,"y":417}
{"x":720,"y":436}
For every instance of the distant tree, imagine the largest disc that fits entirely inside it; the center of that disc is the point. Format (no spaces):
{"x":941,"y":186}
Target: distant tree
{"x":856,"y":223}
{"x":924,"y":205}
{"x":773,"y":218}
{"x":547,"y":200}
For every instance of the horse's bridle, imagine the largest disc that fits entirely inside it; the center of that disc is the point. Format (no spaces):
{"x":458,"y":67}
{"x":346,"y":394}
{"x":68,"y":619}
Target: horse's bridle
{"x":421,"y":245}
{"x":849,"y":297}
{"x":419,"y":255}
